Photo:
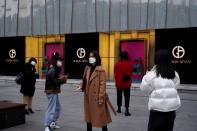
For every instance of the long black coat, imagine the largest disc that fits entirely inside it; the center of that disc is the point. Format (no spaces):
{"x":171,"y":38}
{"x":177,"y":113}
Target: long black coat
{"x":29,"y":80}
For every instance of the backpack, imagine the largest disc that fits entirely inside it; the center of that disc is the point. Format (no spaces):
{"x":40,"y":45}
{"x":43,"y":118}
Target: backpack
{"x":19,"y":78}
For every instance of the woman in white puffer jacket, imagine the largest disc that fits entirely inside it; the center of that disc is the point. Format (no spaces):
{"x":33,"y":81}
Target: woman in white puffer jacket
{"x":161,"y":83}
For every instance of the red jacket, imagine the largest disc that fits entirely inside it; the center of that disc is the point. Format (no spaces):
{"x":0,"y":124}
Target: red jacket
{"x":123,"y":67}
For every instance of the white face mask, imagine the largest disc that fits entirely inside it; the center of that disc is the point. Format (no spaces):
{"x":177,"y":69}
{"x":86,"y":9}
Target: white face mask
{"x":59,"y":63}
{"x":92,"y":60}
{"x":33,"y":63}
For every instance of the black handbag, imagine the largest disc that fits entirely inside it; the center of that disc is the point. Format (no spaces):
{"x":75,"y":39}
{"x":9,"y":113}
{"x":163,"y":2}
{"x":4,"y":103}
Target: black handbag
{"x":84,"y":84}
{"x":19,"y":78}
{"x":84,"y":80}
{"x":126,"y":78}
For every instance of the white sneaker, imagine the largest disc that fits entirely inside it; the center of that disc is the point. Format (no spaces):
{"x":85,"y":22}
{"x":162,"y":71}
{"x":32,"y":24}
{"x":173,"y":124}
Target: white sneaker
{"x":47,"y":129}
{"x":53,"y":125}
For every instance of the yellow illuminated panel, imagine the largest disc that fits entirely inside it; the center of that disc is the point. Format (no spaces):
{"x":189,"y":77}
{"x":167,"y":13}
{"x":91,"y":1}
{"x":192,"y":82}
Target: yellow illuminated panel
{"x":104,"y":45}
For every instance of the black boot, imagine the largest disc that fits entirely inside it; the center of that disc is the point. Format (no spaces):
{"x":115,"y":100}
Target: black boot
{"x":104,"y":128}
{"x":27,"y":112}
{"x":30,"y":110}
{"x":89,"y":127}
{"x":127,"y":112}
{"x":119,"y":109}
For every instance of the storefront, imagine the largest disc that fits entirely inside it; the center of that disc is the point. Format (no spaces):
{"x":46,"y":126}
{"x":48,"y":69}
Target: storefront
{"x":42,"y":47}
{"x":74,"y":48}
{"x":139,"y":44}
{"x":77,"y":49}
{"x":12,"y":55}
{"x":137,"y":55}
{"x":182,"y":44}
{"x":118,"y":26}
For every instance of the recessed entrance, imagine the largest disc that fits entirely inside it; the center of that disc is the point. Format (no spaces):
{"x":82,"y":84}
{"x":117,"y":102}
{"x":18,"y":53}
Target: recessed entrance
{"x":136,"y":51}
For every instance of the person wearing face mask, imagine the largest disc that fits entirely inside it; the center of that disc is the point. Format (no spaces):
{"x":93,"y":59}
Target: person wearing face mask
{"x":28,"y":84}
{"x":95,"y":97}
{"x":52,"y":89}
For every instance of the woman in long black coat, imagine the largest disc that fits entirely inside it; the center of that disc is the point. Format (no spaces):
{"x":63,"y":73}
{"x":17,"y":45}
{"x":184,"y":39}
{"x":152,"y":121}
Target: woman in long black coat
{"x":28,"y":84}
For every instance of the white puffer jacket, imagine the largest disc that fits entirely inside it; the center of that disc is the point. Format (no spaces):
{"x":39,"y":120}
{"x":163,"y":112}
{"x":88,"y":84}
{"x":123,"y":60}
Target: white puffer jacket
{"x":163,"y":92}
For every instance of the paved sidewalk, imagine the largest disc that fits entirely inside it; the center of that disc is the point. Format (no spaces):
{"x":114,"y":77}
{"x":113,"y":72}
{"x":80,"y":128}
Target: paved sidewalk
{"x":72,"y":109}
{"x":110,"y":84}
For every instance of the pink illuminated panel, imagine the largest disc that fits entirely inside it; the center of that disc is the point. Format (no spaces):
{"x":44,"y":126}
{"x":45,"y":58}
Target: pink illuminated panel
{"x":136,"y":51}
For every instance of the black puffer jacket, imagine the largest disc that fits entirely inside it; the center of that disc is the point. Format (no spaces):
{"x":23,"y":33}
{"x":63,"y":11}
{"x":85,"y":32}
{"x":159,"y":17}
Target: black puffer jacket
{"x":29,"y":80}
{"x":53,"y":81}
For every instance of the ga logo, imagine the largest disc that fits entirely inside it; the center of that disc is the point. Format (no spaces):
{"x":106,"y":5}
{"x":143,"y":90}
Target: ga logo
{"x":178,"y":52}
{"x":12,"y":53}
{"x":81,"y":53}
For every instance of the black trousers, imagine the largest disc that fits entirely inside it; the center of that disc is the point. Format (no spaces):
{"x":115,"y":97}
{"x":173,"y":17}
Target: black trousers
{"x":126,"y":96}
{"x":161,"y":121}
{"x":89,"y":127}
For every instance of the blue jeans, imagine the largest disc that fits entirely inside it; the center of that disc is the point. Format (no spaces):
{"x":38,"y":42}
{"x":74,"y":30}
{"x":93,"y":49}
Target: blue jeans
{"x":53,"y":109}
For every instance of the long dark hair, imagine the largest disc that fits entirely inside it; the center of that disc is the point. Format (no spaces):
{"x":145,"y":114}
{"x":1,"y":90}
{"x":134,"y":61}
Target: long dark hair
{"x":32,"y":59}
{"x":124,"y":55}
{"x":97,"y":56}
{"x":163,"y":64}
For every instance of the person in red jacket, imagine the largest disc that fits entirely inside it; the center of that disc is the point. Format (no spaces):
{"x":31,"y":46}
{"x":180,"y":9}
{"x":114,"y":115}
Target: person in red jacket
{"x":123,"y":72}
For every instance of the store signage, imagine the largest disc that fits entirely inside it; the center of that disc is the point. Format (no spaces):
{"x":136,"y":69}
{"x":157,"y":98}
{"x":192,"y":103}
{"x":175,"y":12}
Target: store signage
{"x":12,"y":56}
{"x":77,"y":49}
{"x":181,"y":42}
{"x":12,"y":53}
{"x":80,"y":53}
{"x":178,"y":52}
